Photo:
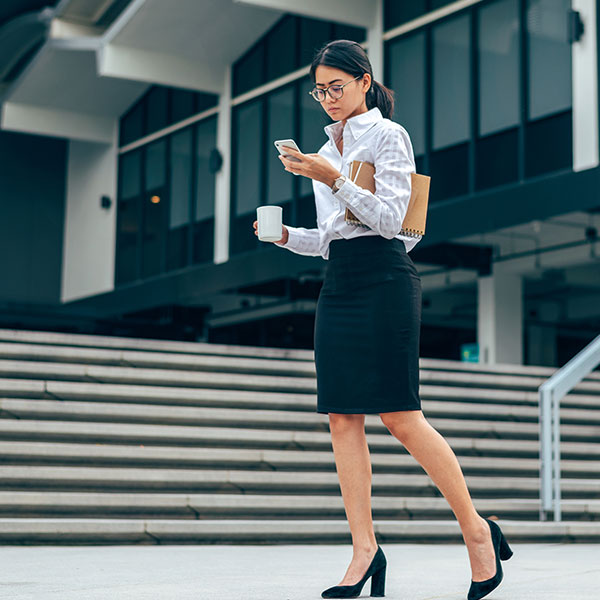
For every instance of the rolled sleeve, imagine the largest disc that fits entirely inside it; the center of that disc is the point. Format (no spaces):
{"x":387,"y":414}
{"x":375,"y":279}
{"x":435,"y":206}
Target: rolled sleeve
{"x":384,"y":211}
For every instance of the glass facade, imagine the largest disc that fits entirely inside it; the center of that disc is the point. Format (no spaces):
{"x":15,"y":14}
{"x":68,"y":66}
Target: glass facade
{"x":407,"y":79}
{"x":485,"y":92}
{"x":165,"y":217}
{"x":204,"y":205}
{"x":397,"y":12}
{"x":289,"y":45}
{"x":129,"y":217}
{"x":160,"y":107}
{"x":258,"y":176}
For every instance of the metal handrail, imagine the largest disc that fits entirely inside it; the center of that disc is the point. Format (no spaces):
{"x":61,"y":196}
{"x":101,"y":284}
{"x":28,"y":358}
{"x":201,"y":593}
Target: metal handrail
{"x":550,"y":394}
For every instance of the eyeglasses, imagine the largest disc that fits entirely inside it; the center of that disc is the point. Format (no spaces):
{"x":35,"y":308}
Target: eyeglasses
{"x":335,"y":91}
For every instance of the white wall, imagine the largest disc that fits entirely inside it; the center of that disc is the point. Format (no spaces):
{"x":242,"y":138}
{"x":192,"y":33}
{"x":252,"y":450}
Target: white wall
{"x":585,"y":90}
{"x":90,"y":230}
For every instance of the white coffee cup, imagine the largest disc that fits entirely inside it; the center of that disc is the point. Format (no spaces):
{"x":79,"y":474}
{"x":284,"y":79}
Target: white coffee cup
{"x":270,"y":224}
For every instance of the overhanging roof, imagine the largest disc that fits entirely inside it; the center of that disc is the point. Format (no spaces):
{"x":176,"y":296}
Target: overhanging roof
{"x":97,"y":77}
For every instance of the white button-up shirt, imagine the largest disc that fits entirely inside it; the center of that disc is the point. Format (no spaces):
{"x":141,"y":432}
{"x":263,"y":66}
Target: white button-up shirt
{"x":378,"y":140}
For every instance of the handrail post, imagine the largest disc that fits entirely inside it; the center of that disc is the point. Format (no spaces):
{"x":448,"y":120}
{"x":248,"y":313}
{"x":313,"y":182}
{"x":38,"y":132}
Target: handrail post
{"x":545,"y":453}
{"x":556,"y":454}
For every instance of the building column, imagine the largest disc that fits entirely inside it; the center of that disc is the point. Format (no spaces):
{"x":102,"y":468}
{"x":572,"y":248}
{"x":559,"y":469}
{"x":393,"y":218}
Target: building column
{"x":375,"y":41}
{"x":500,"y":318}
{"x":584,"y":66}
{"x":223,"y":177}
{"x":89,"y":239}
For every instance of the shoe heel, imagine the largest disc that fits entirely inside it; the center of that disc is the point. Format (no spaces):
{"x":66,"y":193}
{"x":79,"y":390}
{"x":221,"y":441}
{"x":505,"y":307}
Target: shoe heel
{"x":378,"y":583}
{"x":505,"y":551}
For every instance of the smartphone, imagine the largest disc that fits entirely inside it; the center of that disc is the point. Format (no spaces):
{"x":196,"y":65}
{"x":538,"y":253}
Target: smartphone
{"x":281,"y":144}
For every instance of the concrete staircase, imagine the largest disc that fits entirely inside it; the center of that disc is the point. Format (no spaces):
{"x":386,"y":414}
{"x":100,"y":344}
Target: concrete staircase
{"x":119,"y":440}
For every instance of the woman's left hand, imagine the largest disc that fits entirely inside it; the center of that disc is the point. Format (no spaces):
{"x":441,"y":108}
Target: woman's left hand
{"x":313,"y":166}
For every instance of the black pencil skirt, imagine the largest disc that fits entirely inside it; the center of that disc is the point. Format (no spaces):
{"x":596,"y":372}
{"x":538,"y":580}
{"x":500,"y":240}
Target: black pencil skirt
{"x":367,"y":328}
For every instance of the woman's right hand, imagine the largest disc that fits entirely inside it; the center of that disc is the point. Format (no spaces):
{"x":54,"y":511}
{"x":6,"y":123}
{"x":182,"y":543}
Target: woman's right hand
{"x":284,"y":231}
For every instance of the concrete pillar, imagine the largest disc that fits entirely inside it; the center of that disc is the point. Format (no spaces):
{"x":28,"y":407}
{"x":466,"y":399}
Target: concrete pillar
{"x":89,"y":239}
{"x":500,"y":318}
{"x":584,"y":66}
{"x":222,"y":182}
{"x":375,"y":41}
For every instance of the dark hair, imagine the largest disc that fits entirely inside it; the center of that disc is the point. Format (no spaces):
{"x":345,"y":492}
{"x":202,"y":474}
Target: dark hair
{"x":350,"y":57}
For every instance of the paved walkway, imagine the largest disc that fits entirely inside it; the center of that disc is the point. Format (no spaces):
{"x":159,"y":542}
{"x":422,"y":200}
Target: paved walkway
{"x":284,"y":572}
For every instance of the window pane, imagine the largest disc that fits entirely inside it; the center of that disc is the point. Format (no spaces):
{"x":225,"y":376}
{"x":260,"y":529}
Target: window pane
{"x":314,"y":33}
{"x":248,"y":152}
{"x":205,"y":197}
{"x":549,"y":57}
{"x":205,"y":101}
{"x":281,"y":48}
{"x":280,"y":108}
{"x":182,"y":105}
{"x":156,"y":109}
{"x":249,"y":71}
{"x":312,"y":121}
{"x":128,"y":217}
{"x":451,"y":83}
{"x":130,"y":180}
{"x":397,"y":12}
{"x":181,"y":178}
{"x":132,"y":125}
{"x":154,"y":209}
{"x":155,"y":164}
{"x":407,"y":72}
{"x":348,"y":32}
{"x":499,"y":66}
{"x":433,"y":4}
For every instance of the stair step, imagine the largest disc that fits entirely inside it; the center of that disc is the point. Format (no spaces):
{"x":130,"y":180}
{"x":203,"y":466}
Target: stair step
{"x":25,"y":408}
{"x":263,"y":419}
{"x":202,"y":506}
{"x":40,"y":453}
{"x":161,"y":531}
{"x":123,"y":343}
{"x":141,"y":433}
{"x":250,"y":380}
{"x":234,"y":480}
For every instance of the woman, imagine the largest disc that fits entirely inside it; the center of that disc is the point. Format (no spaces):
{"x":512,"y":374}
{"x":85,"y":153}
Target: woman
{"x":368,"y":314}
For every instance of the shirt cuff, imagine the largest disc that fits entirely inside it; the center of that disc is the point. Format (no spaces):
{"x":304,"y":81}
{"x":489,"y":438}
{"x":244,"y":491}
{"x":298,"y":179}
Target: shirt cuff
{"x":293,"y":237}
{"x":347,"y":191}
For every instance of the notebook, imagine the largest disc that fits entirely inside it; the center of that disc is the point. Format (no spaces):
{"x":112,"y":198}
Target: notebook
{"x":363,"y":174}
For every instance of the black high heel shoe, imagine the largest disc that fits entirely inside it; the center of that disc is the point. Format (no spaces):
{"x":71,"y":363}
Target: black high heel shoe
{"x":376,"y":570}
{"x":502,"y":550}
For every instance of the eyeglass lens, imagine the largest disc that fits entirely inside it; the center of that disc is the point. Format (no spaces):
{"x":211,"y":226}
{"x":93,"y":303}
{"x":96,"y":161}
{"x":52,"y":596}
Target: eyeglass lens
{"x":335,"y":91}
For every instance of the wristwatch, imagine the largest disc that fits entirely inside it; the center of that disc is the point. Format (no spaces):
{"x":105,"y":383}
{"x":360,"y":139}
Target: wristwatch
{"x":338,"y":183}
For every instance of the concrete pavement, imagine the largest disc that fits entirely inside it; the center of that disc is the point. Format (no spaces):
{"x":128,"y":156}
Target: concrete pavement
{"x":285,"y":572}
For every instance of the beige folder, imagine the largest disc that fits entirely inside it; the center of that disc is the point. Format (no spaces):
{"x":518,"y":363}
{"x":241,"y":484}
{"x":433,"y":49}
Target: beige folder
{"x":363,"y":174}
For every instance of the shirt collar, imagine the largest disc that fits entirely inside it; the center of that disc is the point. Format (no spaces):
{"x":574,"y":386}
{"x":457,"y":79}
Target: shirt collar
{"x":357,"y":124}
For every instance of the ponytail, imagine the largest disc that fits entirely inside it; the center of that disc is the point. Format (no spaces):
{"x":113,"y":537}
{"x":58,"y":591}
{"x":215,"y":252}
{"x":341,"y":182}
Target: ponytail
{"x":381,"y":97}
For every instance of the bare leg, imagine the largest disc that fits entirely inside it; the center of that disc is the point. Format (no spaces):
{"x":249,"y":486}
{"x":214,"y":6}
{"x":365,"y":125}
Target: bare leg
{"x":438,"y":460}
{"x":353,"y":465}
